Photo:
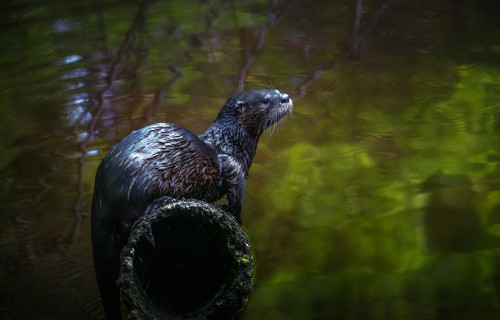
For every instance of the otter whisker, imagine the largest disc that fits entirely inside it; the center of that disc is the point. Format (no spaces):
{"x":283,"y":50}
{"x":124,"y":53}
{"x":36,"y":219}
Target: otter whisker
{"x":271,"y":133}
{"x":274,"y":124}
{"x":263,"y":124}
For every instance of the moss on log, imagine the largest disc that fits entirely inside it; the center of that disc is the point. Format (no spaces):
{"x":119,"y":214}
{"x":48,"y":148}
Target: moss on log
{"x":186,"y":260}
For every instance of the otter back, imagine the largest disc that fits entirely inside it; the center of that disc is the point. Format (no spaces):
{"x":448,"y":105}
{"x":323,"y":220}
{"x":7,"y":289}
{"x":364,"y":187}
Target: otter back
{"x":161,"y":159}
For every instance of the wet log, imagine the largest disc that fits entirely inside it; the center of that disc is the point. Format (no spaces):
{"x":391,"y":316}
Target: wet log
{"x":186,"y":260}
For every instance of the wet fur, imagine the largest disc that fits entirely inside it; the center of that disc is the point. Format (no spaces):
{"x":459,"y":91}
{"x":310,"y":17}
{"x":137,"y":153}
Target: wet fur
{"x":165,"y":160}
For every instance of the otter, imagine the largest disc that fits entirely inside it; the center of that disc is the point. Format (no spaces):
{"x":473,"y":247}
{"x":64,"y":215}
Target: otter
{"x":164,"y":161}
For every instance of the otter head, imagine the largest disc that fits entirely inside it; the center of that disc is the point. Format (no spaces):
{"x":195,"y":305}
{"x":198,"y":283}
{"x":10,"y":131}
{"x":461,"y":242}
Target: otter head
{"x":256,"y":110}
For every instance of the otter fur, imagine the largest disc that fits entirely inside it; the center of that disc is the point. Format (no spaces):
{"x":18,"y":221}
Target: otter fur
{"x":164,"y":161}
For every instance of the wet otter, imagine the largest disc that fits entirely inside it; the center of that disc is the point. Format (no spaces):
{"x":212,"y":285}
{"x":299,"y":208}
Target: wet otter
{"x":165,"y":161}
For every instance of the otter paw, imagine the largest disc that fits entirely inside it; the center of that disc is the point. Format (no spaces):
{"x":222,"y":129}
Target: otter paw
{"x":158,"y":203}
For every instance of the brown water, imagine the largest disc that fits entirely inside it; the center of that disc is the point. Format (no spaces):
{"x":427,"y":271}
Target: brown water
{"x":378,"y":199}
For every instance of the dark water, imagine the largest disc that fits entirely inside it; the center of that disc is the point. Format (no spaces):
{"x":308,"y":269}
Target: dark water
{"x":378,"y":199}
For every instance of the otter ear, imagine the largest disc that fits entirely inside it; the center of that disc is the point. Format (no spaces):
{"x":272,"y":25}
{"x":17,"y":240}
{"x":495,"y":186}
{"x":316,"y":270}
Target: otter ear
{"x":240,"y":105}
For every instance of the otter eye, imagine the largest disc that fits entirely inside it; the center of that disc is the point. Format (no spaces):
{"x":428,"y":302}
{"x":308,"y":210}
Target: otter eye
{"x":266,"y":100}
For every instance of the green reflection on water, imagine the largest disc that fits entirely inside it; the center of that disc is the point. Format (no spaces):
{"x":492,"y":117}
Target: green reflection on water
{"x":378,"y":199}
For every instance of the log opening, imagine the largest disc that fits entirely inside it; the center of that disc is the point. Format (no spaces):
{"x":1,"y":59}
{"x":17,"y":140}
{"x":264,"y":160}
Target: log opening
{"x":186,"y":260}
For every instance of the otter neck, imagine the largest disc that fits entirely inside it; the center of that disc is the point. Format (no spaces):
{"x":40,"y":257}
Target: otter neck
{"x":232,"y":139}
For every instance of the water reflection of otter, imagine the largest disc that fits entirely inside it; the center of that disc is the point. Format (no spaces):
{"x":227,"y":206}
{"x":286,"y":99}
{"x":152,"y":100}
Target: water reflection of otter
{"x":164,"y":161}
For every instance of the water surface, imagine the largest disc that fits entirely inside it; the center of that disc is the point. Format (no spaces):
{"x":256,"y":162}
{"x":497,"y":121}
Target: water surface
{"x":378,"y":199}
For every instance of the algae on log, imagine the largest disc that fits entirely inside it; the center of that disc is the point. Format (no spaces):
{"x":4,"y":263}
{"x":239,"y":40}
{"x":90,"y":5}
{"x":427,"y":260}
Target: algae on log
{"x":186,"y":260}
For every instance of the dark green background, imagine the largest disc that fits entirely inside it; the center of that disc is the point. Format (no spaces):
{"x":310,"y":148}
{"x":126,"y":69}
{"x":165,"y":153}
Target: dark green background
{"x":378,"y":199}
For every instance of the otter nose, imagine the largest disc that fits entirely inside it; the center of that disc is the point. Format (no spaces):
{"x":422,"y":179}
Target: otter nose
{"x":284,"y":98}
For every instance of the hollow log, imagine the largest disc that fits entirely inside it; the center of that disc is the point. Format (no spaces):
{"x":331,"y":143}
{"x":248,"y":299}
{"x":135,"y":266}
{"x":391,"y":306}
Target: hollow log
{"x":186,"y":260}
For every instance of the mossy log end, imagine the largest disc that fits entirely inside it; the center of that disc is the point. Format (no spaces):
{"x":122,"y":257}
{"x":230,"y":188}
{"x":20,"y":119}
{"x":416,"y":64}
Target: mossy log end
{"x":186,"y":260}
